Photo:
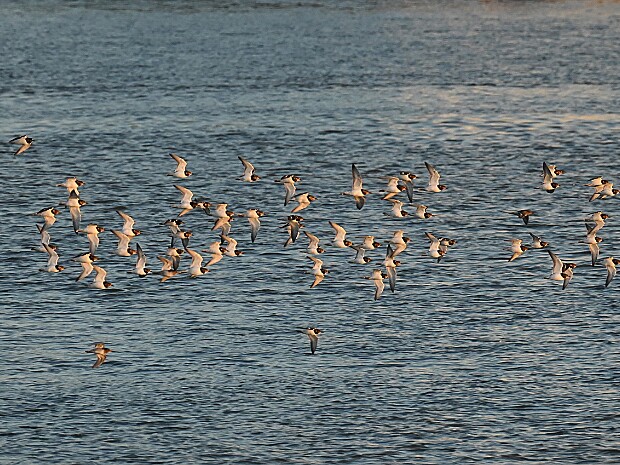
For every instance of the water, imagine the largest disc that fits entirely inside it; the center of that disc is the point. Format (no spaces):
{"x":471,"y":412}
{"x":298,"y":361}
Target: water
{"x":471,"y":360}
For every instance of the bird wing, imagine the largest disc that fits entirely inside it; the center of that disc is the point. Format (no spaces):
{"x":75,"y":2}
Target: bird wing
{"x":314,"y":241}
{"x":434,"y":175}
{"x":557,"y":263}
{"x":340,"y":231}
{"x":611,"y":273}
{"x":379,"y":286}
{"x":129,"y":221}
{"x":255,"y":226}
{"x":290,"y":192}
{"x":594,"y":251}
{"x":391,"y":272}
{"x":87,"y":269}
{"x":123,"y":240}
{"x":317,"y":279}
{"x":360,"y":200}
{"x":141,"y":262}
{"x":187,"y":194}
{"x":314,"y":340}
{"x":101,"y":274}
{"x":181,"y":163}
{"x":547,"y":176}
{"x":357,"y":179}
{"x":100,"y":359}
{"x":247,"y":167}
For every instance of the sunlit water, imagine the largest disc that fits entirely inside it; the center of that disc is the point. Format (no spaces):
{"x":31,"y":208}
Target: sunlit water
{"x":473,"y":359}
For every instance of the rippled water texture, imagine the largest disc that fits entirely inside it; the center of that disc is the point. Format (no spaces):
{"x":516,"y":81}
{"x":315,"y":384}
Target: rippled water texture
{"x":472,"y":360}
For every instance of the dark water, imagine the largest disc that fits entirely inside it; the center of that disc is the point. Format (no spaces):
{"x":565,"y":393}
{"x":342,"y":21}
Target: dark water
{"x":473,"y":360}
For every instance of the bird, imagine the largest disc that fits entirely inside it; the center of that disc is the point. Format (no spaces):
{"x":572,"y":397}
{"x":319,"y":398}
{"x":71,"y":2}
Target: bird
{"x":217,"y":253}
{"x":357,"y":192}
{"x":253,"y":215}
{"x":407,"y":177}
{"x":548,"y":184}
{"x":433,"y":182}
{"x":72,"y":184}
{"x":377,"y":277}
{"x":52,"y":261}
{"x":434,"y":250}
{"x":318,"y":271}
{"x":101,"y":352}
{"x":567,"y":273}
{"x":288,"y":181}
{"x":86,"y":260}
{"x":397,"y":209}
{"x":181,"y":170}
{"x":186,"y":202}
{"x":248,"y":171}
{"x":421,"y":212}
{"x":393,"y":188}
{"x":598,"y":189}
{"x":399,"y":241}
{"x":538,"y":243}
{"x":293,"y":225}
{"x":524,"y":215}
{"x":100,"y":282}
{"x":128,"y":224}
{"x":517,"y":249}
{"x":231,"y":248}
{"x":390,"y":267}
{"x":313,"y":245}
{"x":123,"y":249}
{"x":340,"y":241}
{"x":24,"y":141}
{"x":610,"y":264}
{"x":195,"y":268}
{"x":49,"y":216}
{"x":558,"y":267}
{"x":140,"y":268}
{"x":594,"y":252}
{"x":92,"y":233}
{"x":360,"y":257}
{"x":313,"y":335}
{"x":304,"y":201}
{"x":369,"y":243}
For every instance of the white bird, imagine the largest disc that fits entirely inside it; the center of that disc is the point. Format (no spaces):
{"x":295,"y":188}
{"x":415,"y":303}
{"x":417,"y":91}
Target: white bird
{"x":49,"y":216}
{"x":318,"y":271}
{"x":357,"y":192}
{"x":72,"y":184}
{"x":393,"y":188}
{"x":186,"y":202}
{"x":360,"y":257}
{"x":377,"y":277}
{"x":248,"y":171}
{"x":140,"y":268}
{"x":86,"y":260}
{"x":195,"y":268}
{"x":340,"y":241}
{"x":390,"y":267}
{"x":313,"y":246}
{"x":610,"y":264}
{"x":422,"y":213}
{"x":231,"y":248}
{"x":304,"y":201}
{"x":128,"y":228}
{"x":313,"y":335}
{"x":548,"y":184}
{"x":288,"y":181}
{"x":123,"y":249}
{"x":181,"y":170}
{"x":369,"y":243}
{"x":92,"y":233}
{"x":408,"y":177}
{"x":433,"y":182}
{"x":24,"y":141}
{"x":397,"y":209}
{"x":52,"y":260}
{"x":253,"y":215}
{"x":434,"y":249}
{"x":100,"y":282}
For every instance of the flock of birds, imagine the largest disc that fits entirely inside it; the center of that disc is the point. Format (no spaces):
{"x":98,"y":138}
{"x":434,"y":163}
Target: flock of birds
{"x":401,"y":185}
